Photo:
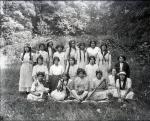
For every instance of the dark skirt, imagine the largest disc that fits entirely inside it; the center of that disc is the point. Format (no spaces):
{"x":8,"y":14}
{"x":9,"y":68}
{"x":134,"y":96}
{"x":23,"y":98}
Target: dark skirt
{"x":53,"y":82}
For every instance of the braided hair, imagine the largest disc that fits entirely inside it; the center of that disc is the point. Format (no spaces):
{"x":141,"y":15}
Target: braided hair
{"x":70,"y":46}
{"x":24,"y":52}
{"x":80,"y":50}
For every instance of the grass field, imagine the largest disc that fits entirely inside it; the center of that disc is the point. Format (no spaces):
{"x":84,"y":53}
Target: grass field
{"x":15,"y":106}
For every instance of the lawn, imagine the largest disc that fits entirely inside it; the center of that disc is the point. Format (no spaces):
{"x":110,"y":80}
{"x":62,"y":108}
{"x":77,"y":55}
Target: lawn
{"x":15,"y":106}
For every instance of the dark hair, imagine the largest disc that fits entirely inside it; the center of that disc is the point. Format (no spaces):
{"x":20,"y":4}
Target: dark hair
{"x":40,"y":73}
{"x":124,"y":58}
{"x":55,"y":58}
{"x":70,"y":42}
{"x":99,"y":71}
{"x":60,"y":46}
{"x":73,"y":59}
{"x":25,"y":52}
{"x":67,"y":75}
{"x":91,"y":58}
{"x":79,"y":70}
{"x":42,"y":44}
{"x":82,"y":43}
{"x":39,"y":57}
{"x":103,"y":44}
{"x":124,"y":82}
{"x":94,"y":42}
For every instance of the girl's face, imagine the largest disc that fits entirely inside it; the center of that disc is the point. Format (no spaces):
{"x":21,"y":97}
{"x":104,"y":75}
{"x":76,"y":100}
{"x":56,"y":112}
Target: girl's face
{"x":73,"y":44}
{"x":92,"y":61}
{"x":121,"y":59}
{"x":26,"y":49}
{"x":59,"y":49}
{"x":50,"y":44}
{"x":56,"y":62}
{"x":42,"y":47}
{"x":93,"y":44}
{"x":81,"y":75}
{"x":99,"y":76}
{"x":82,"y":47}
{"x":40,"y":61}
{"x":71,"y":62}
{"x":104,"y":48}
{"x":64,"y":77}
{"x":114,"y":72}
{"x":40,"y":78}
{"x":122,"y":76}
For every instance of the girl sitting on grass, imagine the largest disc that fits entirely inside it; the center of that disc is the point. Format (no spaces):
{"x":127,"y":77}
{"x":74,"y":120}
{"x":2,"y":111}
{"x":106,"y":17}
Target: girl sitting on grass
{"x":38,"y":91}
{"x":101,"y":92}
{"x":123,"y":85}
{"x":81,"y":82}
{"x":60,"y":93}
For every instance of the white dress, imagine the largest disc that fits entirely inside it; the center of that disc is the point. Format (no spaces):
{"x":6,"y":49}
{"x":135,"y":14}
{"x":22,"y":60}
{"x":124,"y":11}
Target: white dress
{"x":91,"y":71}
{"x":56,"y":70}
{"x":61,"y":56}
{"x":72,"y":71}
{"x":39,"y":68}
{"x":25,"y":80}
{"x":38,"y":88}
{"x":127,"y":86}
{"x":93,"y":52}
{"x":82,"y":59}
{"x":104,"y":63}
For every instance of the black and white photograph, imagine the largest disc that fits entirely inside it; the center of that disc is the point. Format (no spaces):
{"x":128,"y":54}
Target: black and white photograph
{"x":76,"y":60}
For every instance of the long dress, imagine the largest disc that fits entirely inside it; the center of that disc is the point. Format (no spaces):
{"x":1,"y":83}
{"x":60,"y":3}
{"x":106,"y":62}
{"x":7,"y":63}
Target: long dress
{"x":82,"y":58}
{"x":50,"y":55}
{"x":25,"y":80}
{"x":104,"y":62}
{"x":91,"y":71}
{"x":62,"y":58}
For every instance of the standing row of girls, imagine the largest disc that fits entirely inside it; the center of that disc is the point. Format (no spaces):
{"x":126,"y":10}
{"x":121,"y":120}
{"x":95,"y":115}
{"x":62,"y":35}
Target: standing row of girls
{"x":54,"y":62}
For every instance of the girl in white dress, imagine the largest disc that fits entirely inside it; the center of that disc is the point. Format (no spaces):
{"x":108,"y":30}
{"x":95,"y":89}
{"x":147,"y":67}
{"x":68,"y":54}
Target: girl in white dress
{"x":25,"y":80}
{"x":72,"y":50}
{"x":72,"y":68}
{"x":82,"y":56}
{"x":91,"y":68}
{"x":43,"y":53}
{"x":38,"y":91}
{"x":101,"y":92}
{"x":55,"y":73}
{"x":92,"y":50}
{"x":40,"y":67}
{"x":60,"y":93}
{"x":104,"y":60}
{"x":61,"y":55}
{"x":123,"y":85}
{"x":51,"y":51}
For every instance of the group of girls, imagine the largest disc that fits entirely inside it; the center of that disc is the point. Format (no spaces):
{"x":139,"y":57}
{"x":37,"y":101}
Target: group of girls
{"x":73,"y":73}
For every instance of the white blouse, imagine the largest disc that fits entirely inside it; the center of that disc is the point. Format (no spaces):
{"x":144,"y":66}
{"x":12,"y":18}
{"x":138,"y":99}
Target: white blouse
{"x":61,"y":56}
{"x":93,"y":52}
{"x":44,"y":54}
{"x":39,"y":68}
{"x":128,"y":83}
{"x":56,"y":70}
{"x":26,"y":57}
{"x":111,"y":81}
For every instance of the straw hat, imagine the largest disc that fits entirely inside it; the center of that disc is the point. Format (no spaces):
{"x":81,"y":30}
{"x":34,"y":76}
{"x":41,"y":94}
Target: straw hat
{"x":122,"y":72}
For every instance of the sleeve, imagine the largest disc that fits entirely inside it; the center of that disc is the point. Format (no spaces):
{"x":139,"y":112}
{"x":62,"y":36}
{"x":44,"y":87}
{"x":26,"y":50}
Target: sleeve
{"x":46,"y":70}
{"x":54,"y":55}
{"x":51,"y":70}
{"x":87,"y":84}
{"x":117,"y":83}
{"x":66,"y":54}
{"x":129,"y":83}
{"x":33,"y":87}
{"x":97,"y":59}
{"x":34,"y":71}
{"x":109,"y":61}
{"x":128,"y":70}
{"x":62,"y":70}
{"x":21,"y":56}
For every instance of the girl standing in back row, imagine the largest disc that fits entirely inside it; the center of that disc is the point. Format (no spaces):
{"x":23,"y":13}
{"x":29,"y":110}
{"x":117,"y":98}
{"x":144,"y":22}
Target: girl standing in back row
{"x":25,"y":81}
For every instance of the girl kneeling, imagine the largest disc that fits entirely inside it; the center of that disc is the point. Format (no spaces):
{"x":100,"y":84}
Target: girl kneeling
{"x":38,"y":91}
{"x":60,"y":93}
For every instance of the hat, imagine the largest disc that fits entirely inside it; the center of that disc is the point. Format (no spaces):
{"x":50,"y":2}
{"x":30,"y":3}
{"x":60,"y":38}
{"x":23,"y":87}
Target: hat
{"x":122,"y":72}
